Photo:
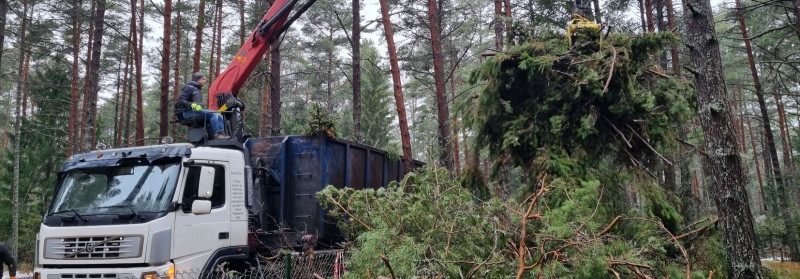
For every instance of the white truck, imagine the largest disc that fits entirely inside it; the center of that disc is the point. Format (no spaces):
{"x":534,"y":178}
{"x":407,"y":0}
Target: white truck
{"x":150,"y":211}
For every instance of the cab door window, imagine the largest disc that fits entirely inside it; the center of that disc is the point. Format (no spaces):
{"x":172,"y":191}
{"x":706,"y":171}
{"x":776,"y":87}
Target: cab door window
{"x":192,"y":181}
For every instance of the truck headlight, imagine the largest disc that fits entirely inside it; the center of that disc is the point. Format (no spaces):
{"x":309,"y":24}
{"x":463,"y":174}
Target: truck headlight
{"x":154,"y":275}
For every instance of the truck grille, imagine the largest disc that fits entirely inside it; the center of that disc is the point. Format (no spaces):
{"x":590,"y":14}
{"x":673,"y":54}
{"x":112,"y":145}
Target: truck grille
{"x":88,"y":276}
{"x":94,"y":247}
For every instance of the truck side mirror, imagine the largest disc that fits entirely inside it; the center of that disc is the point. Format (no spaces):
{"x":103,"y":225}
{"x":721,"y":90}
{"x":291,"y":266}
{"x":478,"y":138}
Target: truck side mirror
{"x":205,"y":186}
{"x":201,"y":207}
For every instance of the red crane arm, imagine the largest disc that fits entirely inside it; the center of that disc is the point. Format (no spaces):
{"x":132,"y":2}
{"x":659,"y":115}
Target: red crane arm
{"x":250,"y":54}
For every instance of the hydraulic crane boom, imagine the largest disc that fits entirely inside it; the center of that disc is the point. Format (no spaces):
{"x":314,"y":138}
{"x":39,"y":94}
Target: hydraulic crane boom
{"x":275,"y":22}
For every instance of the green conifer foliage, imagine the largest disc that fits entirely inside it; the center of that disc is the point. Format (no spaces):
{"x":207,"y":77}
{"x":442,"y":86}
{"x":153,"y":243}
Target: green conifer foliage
{"x":548,"y":95}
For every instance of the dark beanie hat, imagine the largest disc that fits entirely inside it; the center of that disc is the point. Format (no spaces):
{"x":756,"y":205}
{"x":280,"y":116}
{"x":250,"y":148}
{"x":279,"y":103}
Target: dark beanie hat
{"x":197,"y":76}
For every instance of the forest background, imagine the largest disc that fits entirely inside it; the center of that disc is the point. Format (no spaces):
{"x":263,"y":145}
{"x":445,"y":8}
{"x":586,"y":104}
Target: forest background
{"x":79,"y":73}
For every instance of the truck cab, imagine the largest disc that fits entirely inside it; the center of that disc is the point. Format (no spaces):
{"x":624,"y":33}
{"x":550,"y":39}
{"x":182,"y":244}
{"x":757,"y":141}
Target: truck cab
{"x":145,"y":211}
{"x":155,"y":211}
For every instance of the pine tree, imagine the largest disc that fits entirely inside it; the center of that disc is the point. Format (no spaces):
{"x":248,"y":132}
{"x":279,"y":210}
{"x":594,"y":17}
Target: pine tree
{"x":728,"y":181}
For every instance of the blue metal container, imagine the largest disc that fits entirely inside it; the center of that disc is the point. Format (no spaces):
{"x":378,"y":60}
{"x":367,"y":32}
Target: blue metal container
{"x":288,"y":171}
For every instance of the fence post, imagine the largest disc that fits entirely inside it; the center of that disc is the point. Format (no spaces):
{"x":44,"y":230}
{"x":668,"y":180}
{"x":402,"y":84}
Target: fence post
{"x":288,"y":259}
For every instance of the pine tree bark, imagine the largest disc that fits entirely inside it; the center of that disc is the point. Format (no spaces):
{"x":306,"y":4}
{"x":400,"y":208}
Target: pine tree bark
{"x":94,"y":89}
{"x":219,"y":38}
{"x":263,"y":129}
{"x":177,"y":84}
{"x":163,"y":123}
{"x":18,"y":133}
{"x":275,"y":89}
{"x":443,"y":114}
{"x":676,"y":68}
{"x":507,"y":19}
{"x":139,"y":140}
{"x":641,"y":15}
{"x":329,"y":75}
{"x":213,"y":46}
{"x":498,"y":24}
{"x":74,"y":95}
{"x":405,"y":136}
{"x":25,"y":70}
{"x":785,"y":213}
{"x":242,"y":33}
{"x":3,"y":12}
{"x":125,"y":86}
{"x":357,"y":70}
{"x":597,"y":15}
{"x":725,"y":166}
{"x":87,"y":79}
{"x":763,"y":203}
{"x":648,"y":14}
{"x":796,"y":11}
{"x":198,"y":36}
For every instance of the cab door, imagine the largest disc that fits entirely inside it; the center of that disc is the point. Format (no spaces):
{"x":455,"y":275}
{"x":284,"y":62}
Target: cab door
{"x":198,"y":235}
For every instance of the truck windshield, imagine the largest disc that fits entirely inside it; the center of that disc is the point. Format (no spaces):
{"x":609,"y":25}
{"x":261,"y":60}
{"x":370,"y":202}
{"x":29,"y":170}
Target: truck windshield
{"x":116,"y":190}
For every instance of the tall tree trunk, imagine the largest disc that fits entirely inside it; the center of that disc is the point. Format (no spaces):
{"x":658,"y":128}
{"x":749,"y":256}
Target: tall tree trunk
{"x":127,"y":136}
{"x":641,"y":16}
{"x":241,"y":23}
{"x":357,"y":70}
{"x":91,"y":111}
{"x":783,"y":198}
{"x":211,"y":60}
{"x":117,"y":104}
{"x":676,"y":68}
{"x":597,"y":16}
{"x":87,"y":78}
{"x":177,"y":85}
{"x":405,"y":136}
{"x":163,"y":124}
{"x":728,"y":181}
{"x":125,"y":86}
{"x":198,"y":36}
{"x":18,"y":133}
{"x":498,"y":24}
{"x":263,"y":129}
{"x":74,"y":96}
{"x":275,"y":89}
{"x":507,"y":19}
{"x":329,"y":77}
{"x":796,"y":11}
{"x":662,"y":27}
{"x":3,"y":12}
{"x":25,"y":70}
{"x":786,"y":144}
{"x":763,"y":206}
{"x":139,"y":138}
{"x":456,"y":155}
{"x":219,"y":38}
{"x":648,"y":15}
{"x":443,"y":114}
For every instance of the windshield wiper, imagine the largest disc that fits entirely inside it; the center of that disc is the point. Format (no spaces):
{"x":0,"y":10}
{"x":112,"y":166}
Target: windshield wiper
{"x":135,"y":213}
{"x":73,"y":211}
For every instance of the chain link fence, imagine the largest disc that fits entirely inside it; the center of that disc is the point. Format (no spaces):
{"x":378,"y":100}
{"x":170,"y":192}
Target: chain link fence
{"x":324,"y":264}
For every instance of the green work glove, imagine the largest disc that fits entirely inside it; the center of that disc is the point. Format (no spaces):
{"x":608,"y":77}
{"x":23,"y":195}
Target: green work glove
{"x":196,"y":107}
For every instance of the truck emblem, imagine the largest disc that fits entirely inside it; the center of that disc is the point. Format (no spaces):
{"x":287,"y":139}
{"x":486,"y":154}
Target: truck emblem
{"x":90,"y":247}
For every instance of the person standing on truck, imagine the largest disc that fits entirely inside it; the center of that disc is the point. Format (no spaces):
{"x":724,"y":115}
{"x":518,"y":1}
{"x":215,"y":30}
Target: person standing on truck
{"x":187,"y":106}
{"x":7,"y":259}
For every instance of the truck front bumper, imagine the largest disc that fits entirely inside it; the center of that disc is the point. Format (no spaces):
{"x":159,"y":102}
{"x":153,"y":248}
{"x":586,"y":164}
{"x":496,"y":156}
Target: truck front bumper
{"x":161,"y":271}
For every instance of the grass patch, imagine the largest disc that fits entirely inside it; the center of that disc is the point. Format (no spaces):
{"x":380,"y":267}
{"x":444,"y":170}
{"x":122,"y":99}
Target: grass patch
{"x":788,"y":270}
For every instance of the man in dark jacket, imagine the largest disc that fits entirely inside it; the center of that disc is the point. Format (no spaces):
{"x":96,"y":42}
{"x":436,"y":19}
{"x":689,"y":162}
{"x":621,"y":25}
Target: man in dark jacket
{"x":7,"y":259}
{"x":188,"y":106}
